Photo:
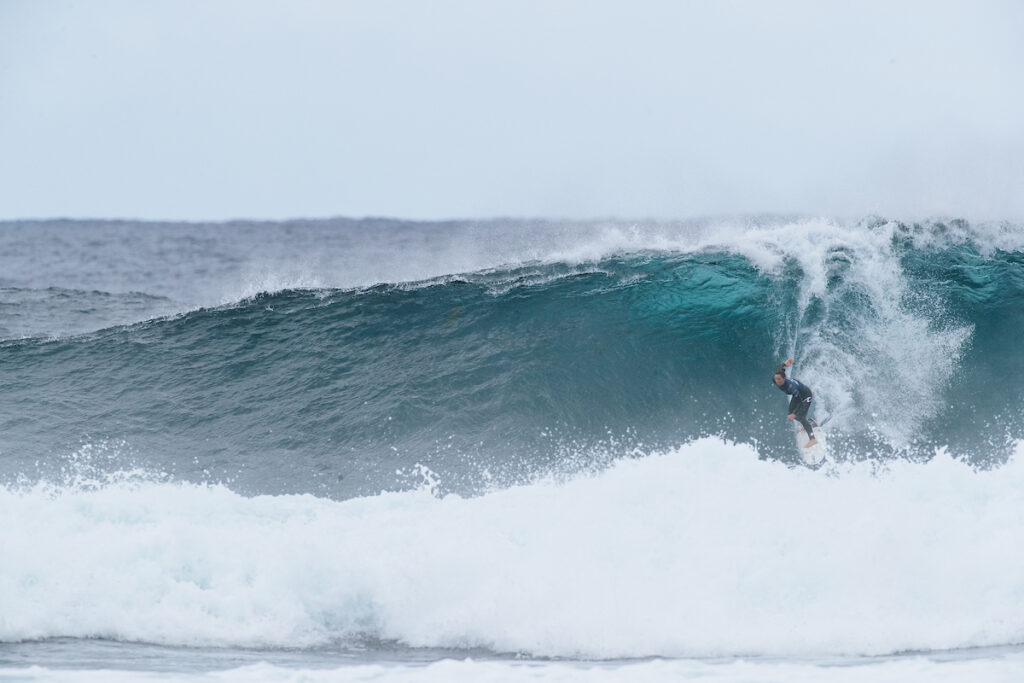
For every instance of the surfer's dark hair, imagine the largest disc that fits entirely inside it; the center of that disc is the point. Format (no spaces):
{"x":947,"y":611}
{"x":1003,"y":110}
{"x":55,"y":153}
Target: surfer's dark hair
{"x":781,"y":370}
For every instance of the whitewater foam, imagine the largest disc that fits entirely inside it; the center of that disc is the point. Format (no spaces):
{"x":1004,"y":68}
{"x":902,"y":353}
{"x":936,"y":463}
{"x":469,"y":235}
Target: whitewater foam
{"x":892,"y":354}
{"x":1003,"y":667}
{"x":703,"y":551}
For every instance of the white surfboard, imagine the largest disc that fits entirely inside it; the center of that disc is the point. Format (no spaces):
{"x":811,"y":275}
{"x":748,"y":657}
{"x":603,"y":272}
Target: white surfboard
{"x":814,"y":455}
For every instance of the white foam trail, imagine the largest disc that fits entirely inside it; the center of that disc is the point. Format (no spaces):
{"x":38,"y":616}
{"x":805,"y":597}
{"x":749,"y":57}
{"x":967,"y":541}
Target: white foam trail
{"x":701,"y":552}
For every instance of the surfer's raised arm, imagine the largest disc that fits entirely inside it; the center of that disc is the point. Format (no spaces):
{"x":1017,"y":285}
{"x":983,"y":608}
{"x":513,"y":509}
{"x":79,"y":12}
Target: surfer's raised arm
{"x":781,"y":370}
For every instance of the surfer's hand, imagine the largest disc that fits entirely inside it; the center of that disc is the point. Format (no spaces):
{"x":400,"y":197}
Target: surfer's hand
{"x":788,"y":363}
{"x":791,"y":417}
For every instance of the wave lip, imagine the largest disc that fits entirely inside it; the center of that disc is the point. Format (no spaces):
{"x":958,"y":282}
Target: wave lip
{"x":704,"y":551}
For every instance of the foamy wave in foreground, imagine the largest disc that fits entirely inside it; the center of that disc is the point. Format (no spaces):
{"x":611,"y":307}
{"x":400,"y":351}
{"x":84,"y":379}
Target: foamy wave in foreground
{"x":704,"y":551}
{"x":1004,"y":668}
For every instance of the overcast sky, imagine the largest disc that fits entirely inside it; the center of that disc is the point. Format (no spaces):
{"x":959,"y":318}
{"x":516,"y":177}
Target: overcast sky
{"x":218,"y":109}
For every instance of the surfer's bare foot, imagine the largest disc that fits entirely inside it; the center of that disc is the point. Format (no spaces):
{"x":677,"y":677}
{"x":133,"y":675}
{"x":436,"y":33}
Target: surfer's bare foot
{"x":812,"y":442}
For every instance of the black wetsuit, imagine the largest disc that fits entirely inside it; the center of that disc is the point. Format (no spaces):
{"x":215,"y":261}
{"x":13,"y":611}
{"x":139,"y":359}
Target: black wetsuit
{"x":800,"y":403}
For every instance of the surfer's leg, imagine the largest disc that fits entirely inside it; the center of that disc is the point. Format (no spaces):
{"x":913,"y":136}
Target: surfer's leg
{"x":801,"y":417}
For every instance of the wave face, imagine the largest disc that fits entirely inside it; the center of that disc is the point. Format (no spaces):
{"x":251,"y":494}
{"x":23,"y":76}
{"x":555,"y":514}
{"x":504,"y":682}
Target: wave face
{"x":574,"y":427}
{"x":491,"y":377}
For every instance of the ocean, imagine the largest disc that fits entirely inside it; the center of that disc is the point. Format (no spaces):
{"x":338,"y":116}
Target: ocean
{"x":508,"y":450}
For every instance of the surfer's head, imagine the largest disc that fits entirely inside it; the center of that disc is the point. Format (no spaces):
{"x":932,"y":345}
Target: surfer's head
{"x":780,"y":375}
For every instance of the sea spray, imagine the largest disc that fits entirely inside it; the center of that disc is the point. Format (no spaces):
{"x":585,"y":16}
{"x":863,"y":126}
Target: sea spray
{"x":706,"y":550}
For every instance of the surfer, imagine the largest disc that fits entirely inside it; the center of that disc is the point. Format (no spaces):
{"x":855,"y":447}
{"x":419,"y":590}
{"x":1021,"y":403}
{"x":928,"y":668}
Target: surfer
{"x":801,"y":401}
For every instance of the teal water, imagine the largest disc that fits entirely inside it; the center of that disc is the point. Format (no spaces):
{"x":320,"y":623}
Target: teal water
{"x":492,"y":376}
